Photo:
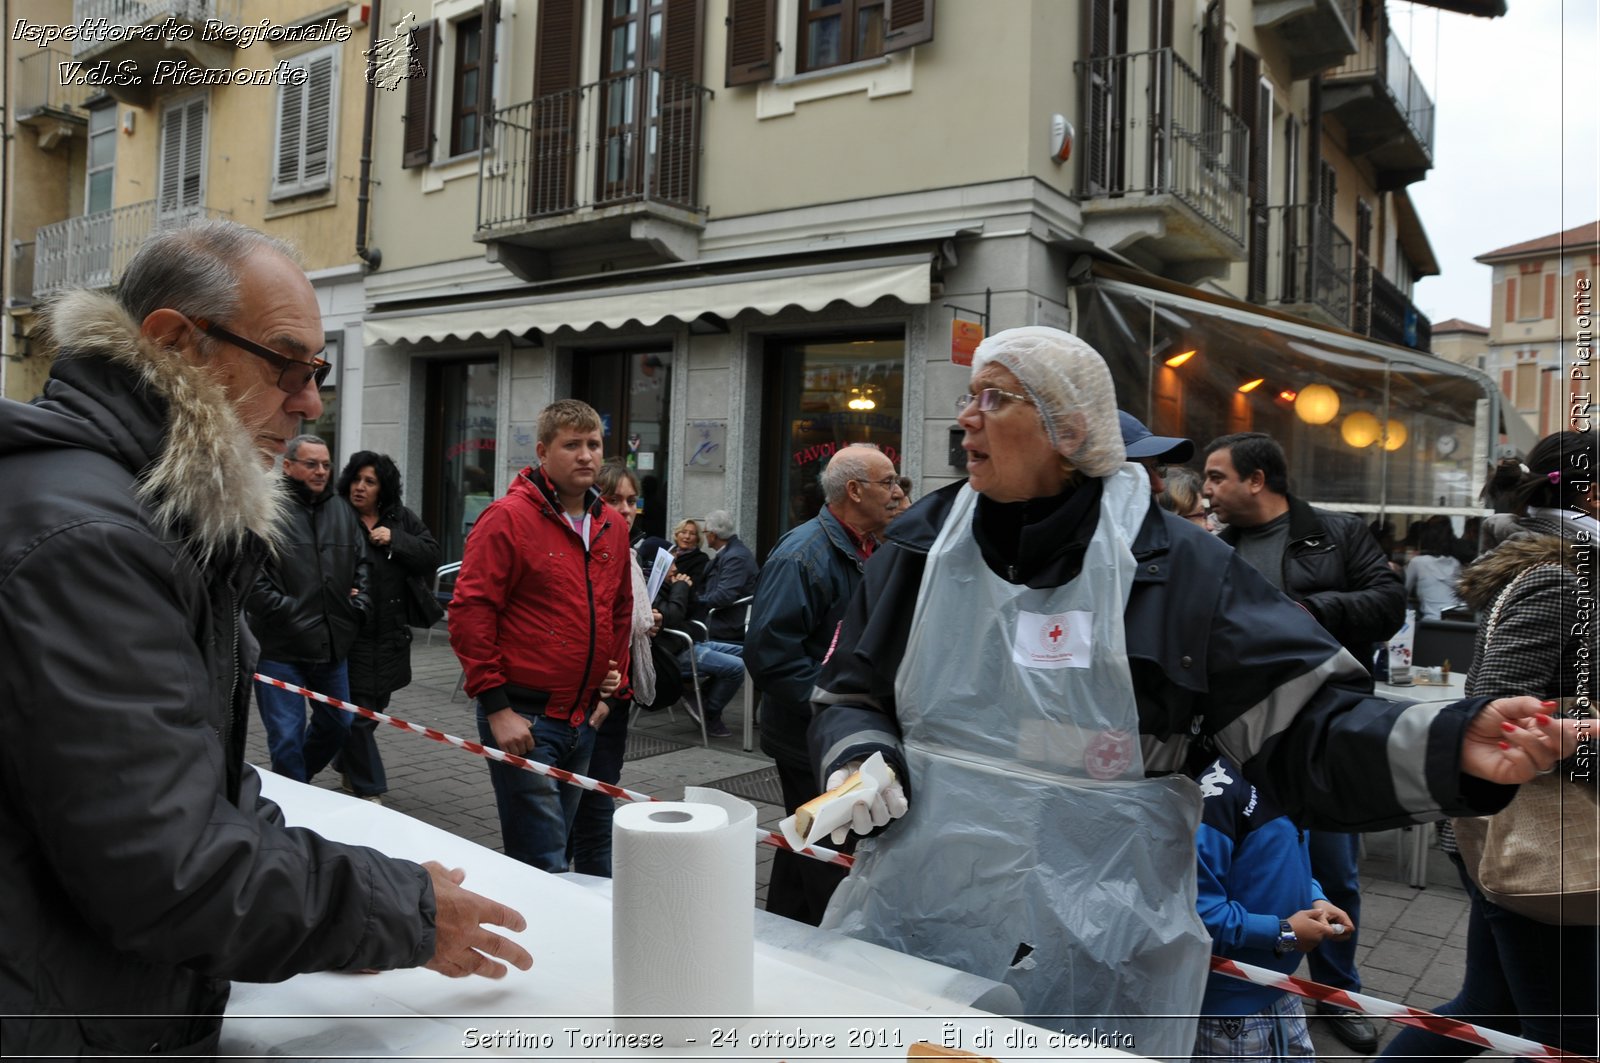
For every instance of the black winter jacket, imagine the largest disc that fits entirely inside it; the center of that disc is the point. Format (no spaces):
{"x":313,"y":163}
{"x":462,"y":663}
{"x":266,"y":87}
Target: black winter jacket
{"x":139,"y":868}
{"x":1220,"y":662}
{"x":380,"y":658}
{"x":301,"y":609}
{"x":1334,"y":567}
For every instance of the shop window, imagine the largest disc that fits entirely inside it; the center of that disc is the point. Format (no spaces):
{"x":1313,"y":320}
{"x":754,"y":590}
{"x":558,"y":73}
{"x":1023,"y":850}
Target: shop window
{"x":827,"y":393}
{"x":631,"y":390}
{"x":327,"y":426}
{"x":459,"y":444}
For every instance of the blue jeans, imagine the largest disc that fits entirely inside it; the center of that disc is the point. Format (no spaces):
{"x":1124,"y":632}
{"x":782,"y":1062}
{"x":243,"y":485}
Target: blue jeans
{"x":536,"y":811}
{"x":1522,"y":977}
{"x":723,"y":663}
{"x":1333,"y":865}
{"x":590,"y":845}
{"x":298,"y":751}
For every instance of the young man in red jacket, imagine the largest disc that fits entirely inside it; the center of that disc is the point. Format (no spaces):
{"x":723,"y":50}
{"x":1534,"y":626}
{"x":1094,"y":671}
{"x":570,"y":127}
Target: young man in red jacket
{"x":542,"y":612}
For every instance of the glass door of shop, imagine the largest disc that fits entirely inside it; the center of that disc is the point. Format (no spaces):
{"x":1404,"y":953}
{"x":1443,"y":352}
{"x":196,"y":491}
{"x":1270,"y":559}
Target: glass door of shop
{"x":631,"y":390}
{"x":820,"y":395}
{"x":459,"y":443}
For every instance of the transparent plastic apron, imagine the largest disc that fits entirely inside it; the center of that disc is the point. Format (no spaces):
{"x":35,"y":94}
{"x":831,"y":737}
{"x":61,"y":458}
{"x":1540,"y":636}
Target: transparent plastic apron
{"x":1034,"y":851}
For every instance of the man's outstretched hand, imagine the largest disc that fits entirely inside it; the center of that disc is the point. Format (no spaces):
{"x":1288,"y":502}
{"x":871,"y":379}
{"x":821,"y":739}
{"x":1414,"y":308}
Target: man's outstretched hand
{"x":1514,"y":739}
{"x":462,"y":945}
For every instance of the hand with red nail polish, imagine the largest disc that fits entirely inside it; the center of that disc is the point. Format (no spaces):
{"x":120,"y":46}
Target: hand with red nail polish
{"x":1511,"y":741}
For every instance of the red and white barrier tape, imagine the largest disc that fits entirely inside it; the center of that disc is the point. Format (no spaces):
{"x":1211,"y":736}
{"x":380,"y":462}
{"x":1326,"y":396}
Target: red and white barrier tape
{"x":765,"y":837}
{"x":1444,"y":1025}
{"x":1449,"y":1027}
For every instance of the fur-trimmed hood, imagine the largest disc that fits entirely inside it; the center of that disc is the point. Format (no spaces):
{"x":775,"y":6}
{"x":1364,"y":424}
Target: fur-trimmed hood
{"x":198,"y":469}
{"x":1483,"y":580}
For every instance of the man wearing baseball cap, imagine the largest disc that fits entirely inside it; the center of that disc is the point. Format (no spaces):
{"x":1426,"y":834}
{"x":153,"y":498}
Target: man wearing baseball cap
{"x":1154,"y":452}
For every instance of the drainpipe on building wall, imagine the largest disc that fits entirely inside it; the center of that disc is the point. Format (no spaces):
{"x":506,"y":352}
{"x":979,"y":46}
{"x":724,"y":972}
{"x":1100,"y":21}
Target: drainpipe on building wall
{"x":370,"y":255}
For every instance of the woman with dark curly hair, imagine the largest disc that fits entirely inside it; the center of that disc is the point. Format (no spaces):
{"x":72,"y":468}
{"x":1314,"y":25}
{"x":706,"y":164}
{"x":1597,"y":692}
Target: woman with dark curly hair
{"x":1524,"y":976}
{"x":402,"y":551}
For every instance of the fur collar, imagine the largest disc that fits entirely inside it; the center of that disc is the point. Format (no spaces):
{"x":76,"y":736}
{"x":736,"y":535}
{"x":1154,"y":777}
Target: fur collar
{"x":207,"y":484}
{"x":1483,"y":580}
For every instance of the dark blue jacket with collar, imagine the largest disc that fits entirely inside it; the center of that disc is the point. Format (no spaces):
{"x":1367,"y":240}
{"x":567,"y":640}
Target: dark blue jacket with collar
{"x":799,"y":600}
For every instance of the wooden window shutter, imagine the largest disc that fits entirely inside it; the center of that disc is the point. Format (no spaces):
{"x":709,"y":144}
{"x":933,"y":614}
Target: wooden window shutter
{"x":486,"y":42}
{"x":752,"y":41}
{"x":1160,"y":24}
{"x":1098,"y":89}
{"x":181,"y":182}
{"x":417,"y":144}
{"x":1212,"y":45}
{"x":910,"y":22}
{"x":559,"y":36}
{"x":556,"y":53}
{"x":304,"y":147}
{"x":1511,"y":298}
{"x":1549,"y":296}
{"x":680,"y":52}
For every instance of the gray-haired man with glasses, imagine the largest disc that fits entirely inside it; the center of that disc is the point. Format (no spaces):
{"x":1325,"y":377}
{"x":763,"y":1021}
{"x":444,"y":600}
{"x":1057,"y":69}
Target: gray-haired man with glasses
{"x":145,"y":869}
{"x":308,"y":605}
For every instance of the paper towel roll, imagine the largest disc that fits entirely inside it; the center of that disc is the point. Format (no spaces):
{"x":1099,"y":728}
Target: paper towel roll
{"x":683,"y":906}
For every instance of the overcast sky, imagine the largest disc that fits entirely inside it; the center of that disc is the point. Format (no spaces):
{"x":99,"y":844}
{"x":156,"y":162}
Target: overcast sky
{"x":1517,"y":143}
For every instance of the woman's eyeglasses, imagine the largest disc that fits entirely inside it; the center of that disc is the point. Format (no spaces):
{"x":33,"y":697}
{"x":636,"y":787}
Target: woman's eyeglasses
{"x":292,"y":373}
{"x":989,"y":399}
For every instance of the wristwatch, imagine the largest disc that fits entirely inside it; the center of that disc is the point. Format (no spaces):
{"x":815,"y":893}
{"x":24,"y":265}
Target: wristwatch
{"x":1287,"y":941}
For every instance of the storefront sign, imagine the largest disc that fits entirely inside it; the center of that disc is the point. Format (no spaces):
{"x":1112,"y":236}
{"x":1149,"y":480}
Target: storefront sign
{"x":705,"y":442}
{"x":964,"y":339}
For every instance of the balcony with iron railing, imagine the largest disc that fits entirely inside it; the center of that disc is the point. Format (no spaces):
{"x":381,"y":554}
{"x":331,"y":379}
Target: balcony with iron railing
{"x":1314,"y":34}
{"x":1309,"y":273}
{"x":615,"y":163}
{"x":1386,"y":113}
{"x":41,"y":95}
{"x":1162,"y":171}
{"x":1384,"y":312}
{"x":92,"y":250}
{"x":148,"y":33}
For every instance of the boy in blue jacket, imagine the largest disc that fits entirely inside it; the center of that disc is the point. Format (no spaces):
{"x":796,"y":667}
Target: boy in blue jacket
{"x":1261,"y":905}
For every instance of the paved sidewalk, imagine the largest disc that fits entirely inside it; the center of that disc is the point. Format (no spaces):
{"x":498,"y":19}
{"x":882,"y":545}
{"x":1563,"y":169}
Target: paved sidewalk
{"x":1410,"y":947}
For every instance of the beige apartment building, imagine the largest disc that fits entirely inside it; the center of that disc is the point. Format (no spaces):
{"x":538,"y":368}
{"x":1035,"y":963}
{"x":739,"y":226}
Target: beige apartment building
{"x":129,"y":117}
{"x":1541,"y":336}
{"x":743,"y":230}
{"x":1457,"y":340}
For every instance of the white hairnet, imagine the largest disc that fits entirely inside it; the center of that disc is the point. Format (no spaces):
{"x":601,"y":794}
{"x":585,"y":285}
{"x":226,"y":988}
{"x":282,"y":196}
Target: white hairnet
{"x":1068,"y":379}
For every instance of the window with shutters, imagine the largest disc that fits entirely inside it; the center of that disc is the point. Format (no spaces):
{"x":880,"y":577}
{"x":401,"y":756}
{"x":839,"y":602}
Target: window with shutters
{"x":465,"y":83}
{"x":1530,"y":297}
{"x":779,"y":44}
{"x":180,"y":185}
{"x":102,"y":167}
{"x":836,"y":32}
{"x":306,"y":142}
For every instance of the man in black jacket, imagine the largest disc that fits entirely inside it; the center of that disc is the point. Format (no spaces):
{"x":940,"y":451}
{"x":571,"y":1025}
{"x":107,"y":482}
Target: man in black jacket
{"x":307,"y":607}
{"x":143,"y":869}
{"x":1330,"y":564}
{"x":730,"y":576}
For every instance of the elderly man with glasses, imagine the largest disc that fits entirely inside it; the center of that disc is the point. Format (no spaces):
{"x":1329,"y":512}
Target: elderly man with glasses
{"x":799,"y":600}
{"x":145,"y":871}
{"x":307,"y":608}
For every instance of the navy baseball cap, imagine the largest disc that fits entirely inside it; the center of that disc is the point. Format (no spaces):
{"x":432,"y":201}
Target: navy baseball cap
{"x":1140,"y":442}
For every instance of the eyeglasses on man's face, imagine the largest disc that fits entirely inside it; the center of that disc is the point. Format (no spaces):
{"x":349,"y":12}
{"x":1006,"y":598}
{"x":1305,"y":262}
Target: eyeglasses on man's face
{"x":292,"y":372}
{"x":311,"y":463}
{"x":888,"y":483}
{"x":989,"y":399}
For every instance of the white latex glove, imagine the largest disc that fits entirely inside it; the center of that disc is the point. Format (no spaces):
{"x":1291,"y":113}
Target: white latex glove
{"x":888,"y":803}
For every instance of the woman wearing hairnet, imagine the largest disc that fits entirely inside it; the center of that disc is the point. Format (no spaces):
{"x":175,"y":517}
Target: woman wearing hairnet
{"x":1037,"y":651}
